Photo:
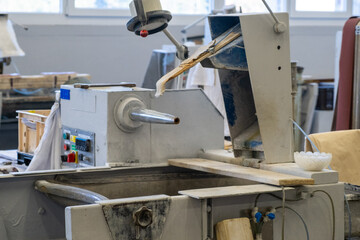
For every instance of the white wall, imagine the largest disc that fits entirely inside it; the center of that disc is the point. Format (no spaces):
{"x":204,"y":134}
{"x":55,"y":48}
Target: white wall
{"x":108,"y":53}
{"x":112,"y":54}
{"x":313,"y":45}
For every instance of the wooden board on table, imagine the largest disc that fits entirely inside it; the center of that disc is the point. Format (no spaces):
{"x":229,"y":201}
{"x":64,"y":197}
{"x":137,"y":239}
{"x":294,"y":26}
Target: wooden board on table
{"x":232,"y":170}
{"x":231,"y":191}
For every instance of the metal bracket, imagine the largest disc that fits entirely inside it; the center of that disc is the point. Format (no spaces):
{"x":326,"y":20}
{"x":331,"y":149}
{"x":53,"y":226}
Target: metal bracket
{"x":207,"y":230}
{"x":182,"y":51}
{"x":140,"y":12}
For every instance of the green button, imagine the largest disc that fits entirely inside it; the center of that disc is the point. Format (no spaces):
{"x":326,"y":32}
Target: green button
{"x":64,"y":135}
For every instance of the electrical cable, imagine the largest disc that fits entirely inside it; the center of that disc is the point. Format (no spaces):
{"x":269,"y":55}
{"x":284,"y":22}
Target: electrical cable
{"x":27,"y":93}
{"x":331,"y":200}
{"x":332,"y":208}
{"x":303,"y":132}
{"x":273,"y":195}
{"x":303,"y":221}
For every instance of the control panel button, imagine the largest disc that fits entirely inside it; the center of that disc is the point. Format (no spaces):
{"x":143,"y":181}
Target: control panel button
{"x":71,"y":157}
{"x":76,"y":157}
{"x":66,"y":136}
{"x":64,"y":158}
{"x":66,"y":147}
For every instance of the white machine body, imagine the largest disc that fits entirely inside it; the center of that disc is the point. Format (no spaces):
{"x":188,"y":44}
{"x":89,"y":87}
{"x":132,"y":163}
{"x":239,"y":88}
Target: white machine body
{"x":92,"y":126}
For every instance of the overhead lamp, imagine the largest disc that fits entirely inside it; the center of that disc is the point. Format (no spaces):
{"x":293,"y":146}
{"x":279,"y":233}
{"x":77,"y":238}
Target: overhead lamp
{"x":149,"y":18}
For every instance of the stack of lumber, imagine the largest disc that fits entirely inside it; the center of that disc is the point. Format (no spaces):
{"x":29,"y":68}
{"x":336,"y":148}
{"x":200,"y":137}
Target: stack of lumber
{"x":44,"y":80}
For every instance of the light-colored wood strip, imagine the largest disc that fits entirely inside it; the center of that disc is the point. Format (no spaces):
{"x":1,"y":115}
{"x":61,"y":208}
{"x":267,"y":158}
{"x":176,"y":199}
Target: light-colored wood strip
{"x":47,"y":80}
{"x":4,"y":77}
{"x":231,"y":170}
{"x":33,"y":85}
{"x":231,"y":191}
{"x":234,"y":229}
{"x":20,"y":136}
{"x":8,"y":100}
{"x":201,"y":54}
{"x":5,"y":86}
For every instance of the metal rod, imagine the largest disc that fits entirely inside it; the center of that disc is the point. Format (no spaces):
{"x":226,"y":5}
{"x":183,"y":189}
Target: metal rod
{"x":172,"y":39}
{"x":279,"y":27}
{"x":69,"y":192}
{"x":271,"y":12}
{"x":151,"y":116}
{"x":193,"y":24}
{"x":140,"y":12}
{"x":182,"y":51}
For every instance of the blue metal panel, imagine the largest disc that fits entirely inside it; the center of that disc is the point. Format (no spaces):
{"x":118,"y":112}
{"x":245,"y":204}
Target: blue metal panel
{"x":232,"y":56}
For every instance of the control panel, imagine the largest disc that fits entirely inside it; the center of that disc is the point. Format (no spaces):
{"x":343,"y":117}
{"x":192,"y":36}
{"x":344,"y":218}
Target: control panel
{"x":79,"y":147}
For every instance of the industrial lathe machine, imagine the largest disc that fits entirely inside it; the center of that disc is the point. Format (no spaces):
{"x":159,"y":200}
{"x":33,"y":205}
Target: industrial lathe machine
{"x":129,"y":171}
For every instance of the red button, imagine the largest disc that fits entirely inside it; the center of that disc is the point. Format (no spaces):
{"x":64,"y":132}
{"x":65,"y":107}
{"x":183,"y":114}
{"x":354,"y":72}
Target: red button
{"x":66,"y":147}
{"x":144,"y":33}
{"x":71,"y":157}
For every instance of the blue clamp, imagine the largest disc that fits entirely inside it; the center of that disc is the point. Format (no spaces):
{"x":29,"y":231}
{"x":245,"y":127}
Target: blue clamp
{"x":258,"y":216}
{"x":271,"y":216}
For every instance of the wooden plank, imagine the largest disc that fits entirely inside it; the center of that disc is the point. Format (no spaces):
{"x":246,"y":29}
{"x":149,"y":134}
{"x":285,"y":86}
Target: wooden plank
{"x":39,"y":114}
{"x":231,"y":170}
{"x":321,"y":80}
{"x":59,"y":76}
{"x":8,"y":76}
{"x":234,"y":229}
{"x":5,"y":86}
{"x":21,"y":136}
{"x":46,"y":80}
{"x":231,"y":191}
{"x":8,"y":100}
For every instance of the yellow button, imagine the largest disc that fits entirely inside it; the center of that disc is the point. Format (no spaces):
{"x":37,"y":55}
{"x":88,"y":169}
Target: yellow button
{"x":76,"y":157}
{"x":72,"y":138}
